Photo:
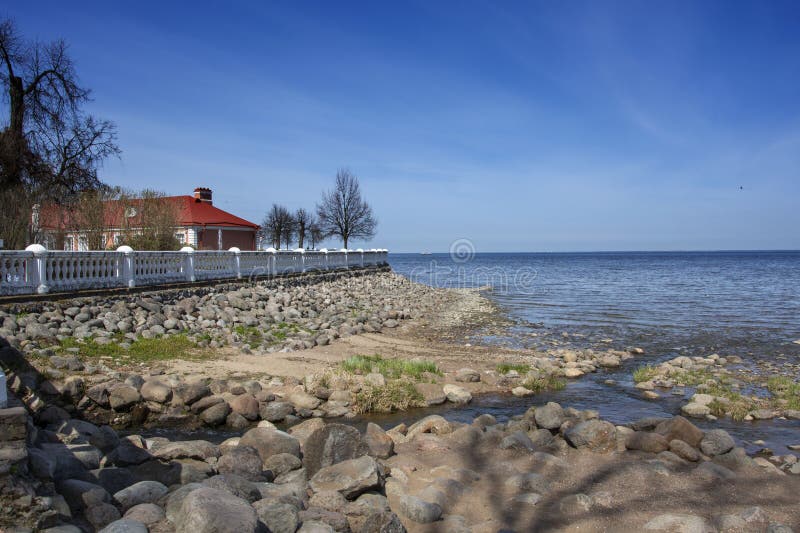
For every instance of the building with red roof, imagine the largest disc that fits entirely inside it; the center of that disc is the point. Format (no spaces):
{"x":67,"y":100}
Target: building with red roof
{"x":200,"y":224}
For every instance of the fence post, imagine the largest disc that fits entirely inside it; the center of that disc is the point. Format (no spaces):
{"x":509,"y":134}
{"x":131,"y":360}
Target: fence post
{"x":127,"y":271}
{"x":346,"y":263}
{"x":271,"y":261}
{"x":188,"y":263}
{"x":3,"y":393}
{"x":361,"y":254}
{"x":302,"y":259}
{"x":237,"y":264}
{"x":325,"y":251}
{"x":38,"y":267}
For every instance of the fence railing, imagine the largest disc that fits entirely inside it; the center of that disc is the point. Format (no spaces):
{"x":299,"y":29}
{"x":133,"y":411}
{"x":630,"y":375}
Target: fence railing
{"x":37,"y":270}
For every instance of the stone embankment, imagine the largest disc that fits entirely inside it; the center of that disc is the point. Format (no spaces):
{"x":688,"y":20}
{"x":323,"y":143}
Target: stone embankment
{"x":549,"y":468}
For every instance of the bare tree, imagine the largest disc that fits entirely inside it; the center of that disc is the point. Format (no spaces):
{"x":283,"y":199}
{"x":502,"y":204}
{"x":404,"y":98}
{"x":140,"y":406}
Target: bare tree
{"x":274,"y":227}
{"x":148,"y":220}
{"x":92,"y":215}
{"x":288,"y":228}
{"x":302,"y":221}
{"x":343,"y":212}
{"x":315,"y":233}
{"x":50,"y":149}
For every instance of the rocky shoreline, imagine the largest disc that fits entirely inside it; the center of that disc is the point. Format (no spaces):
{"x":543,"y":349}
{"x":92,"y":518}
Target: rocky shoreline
{"x":84,"y":369}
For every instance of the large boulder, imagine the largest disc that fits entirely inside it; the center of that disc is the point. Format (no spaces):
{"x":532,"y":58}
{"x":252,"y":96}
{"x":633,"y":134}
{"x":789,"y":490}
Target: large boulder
{"x":332,"y":444}
{"x":277,"y":516}
{"x":236,"y":485}
{"x":379,"y":443}
{"x":647,"y":442}
{"x":245,"y":405}
{"x":716,"y":442}
{"x":679,"y":428}
{"x":302,"y":400}
{"x":549,"y":416}
{"x":186,"y":449}
{"x":209,"y":510}
{"x":457,"y":394}
{"x":142,"y":492}
{"x":243,"y":461}
{"x":594,"y":435}
{"x":123,"y":397}
{"x":268,"y":442}
{"x":154,"y":390}
{"x":683,"y":523}
{"x":351,"y":478}
{"x":276,"y":411}
{"x":435,"y":424}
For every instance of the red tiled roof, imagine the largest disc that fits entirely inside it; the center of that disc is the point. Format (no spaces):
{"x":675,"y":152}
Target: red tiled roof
{"x":191,"y":212}
{"x":197,"y":213}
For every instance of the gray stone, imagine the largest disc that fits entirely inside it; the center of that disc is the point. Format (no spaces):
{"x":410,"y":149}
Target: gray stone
{"x":142,"y":492}
{"x":419,"y":510}
{"x":456,"y":394}
{"x":81,"y":494}
{"x":101,"y":514}
{"x":208,"y":510}
{"x":678,"y":523}
{"x":380,"y":444}
{"x":276,"y":411}
{"x":350,"y":478}
{"x":125,"y":525}
{"x":278,"y":517}
{"x":282,"y":463}
{"x":331,"y":444}
{"x":186,"y":449}
{"x":679,"y":428}
{"x":593,"y":435}
{"x":684,"y":450}
{"x":236,"y":485}
{"x":716,"y":442}
{"x":123,"y":397}
{"x":156,"y":391}
{"x":175,"y":500}
{"x":269,"y":442}
{"x":216,"y":414}
{"x":517,"y":441}
{"x":549,"y":416}
{"x":647,"y":442}
{"x":146,"y":513}
{"x":468,"y":375}
{"x":243,"y":461}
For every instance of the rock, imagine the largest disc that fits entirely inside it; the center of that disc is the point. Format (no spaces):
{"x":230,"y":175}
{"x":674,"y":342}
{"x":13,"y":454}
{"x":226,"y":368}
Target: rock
{"x":549,"y":416}
{"x":678,"y":523}
{"x":208,"y":510}
{"x":278,"y":517}
{"x":304,"y":429}
{"x":419,"y":510}
{"x":156,"y":391}
{"x":594,"y":435}
{"x":331,"y":444}
{"x":243,"y":461}
{"x":521,"y":392}
{"x":609,"y":361}
{"x":245,"y":405}
{"x":350,"y":478}
{"x":716,"y":442}
{"x":573,"y":372}
{"x":456,"y":394}
{"x":684,"y":450}
{"x":314,"y":526}
{"x":730,"y":523}
{"x":123,"y":397}
{"x":146,"y":513}
{"x":276,"y":411}
{"x":435,"y":424}
{"x":329,"y":500}
{"x":236,"y":485}
{"x":468,"y":375}
{"x":735,"y":459}
{"x":679,"y":428}
{"x":695,"y":410}
{"x":125,"y":525}
{"x":189,"y":393}
{"x":142,"y":492}
{"x":216,"y":414}
{"x":380,"y":444}
{"x":303,"y":400}
{"x":432,"y":393}
{"x":647,"y":442}
{"x":282,"y":463}
{"x":175,"y":500}
{"x":204,"y":403}
{"x":269,"y":442}
{"x":185,"y":449}
{"x":101,"y":514}
{"x":335,"y":520}
{"x":375,"y":379}
{"x":517,"y":441}
{"x":81,"y":495}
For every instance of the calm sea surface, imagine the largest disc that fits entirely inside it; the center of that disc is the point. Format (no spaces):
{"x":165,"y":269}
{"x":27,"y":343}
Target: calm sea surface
{"x":739,"y":303}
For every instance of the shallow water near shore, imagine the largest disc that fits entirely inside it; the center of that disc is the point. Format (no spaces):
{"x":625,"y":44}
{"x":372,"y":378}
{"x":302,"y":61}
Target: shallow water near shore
{"x":695,"y":304}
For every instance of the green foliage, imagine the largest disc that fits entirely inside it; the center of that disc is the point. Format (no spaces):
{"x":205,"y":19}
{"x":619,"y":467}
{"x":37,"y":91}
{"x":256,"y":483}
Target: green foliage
{"x":390,"y":368}
{"x":140,"y":351}
{"x":692,"y":378}
{"x":394,"y":396}
{"x":645,"y":373}
{"x":520,"y":368}
{"x":546,"y":382}
{"x":786,"y":390}
{"x":249,"y":334}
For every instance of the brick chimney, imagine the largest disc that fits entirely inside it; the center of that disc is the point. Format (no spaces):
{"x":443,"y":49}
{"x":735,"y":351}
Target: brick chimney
{"x":202,"y":194}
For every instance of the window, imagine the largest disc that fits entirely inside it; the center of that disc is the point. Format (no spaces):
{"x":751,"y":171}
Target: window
{"x":69,"y":243}
{"x":181,"y":237}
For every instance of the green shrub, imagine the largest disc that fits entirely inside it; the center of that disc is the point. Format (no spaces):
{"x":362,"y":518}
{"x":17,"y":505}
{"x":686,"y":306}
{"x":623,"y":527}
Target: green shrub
{"x":546,"y":382}
{"x":162,"y":348}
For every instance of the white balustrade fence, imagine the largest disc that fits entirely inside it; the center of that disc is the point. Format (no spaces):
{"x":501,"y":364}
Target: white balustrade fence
{"x":37,"y":270}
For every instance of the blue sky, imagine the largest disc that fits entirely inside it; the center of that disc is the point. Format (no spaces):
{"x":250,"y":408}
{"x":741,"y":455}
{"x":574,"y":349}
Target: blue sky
{"x":551,"y":126}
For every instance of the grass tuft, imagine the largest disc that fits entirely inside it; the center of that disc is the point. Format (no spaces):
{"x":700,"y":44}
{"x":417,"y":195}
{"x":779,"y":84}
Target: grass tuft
{"x":141,"y":351}
{"x":785,"y":390}
{"x":520,"y":368}
{"x":547,"y":382}
{"x":390,"y":368}
{"x":645,"y":373}
{"x":394,"y":396}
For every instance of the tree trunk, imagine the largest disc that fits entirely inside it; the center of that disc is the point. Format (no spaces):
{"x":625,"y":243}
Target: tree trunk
{"x":17,"y":101}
